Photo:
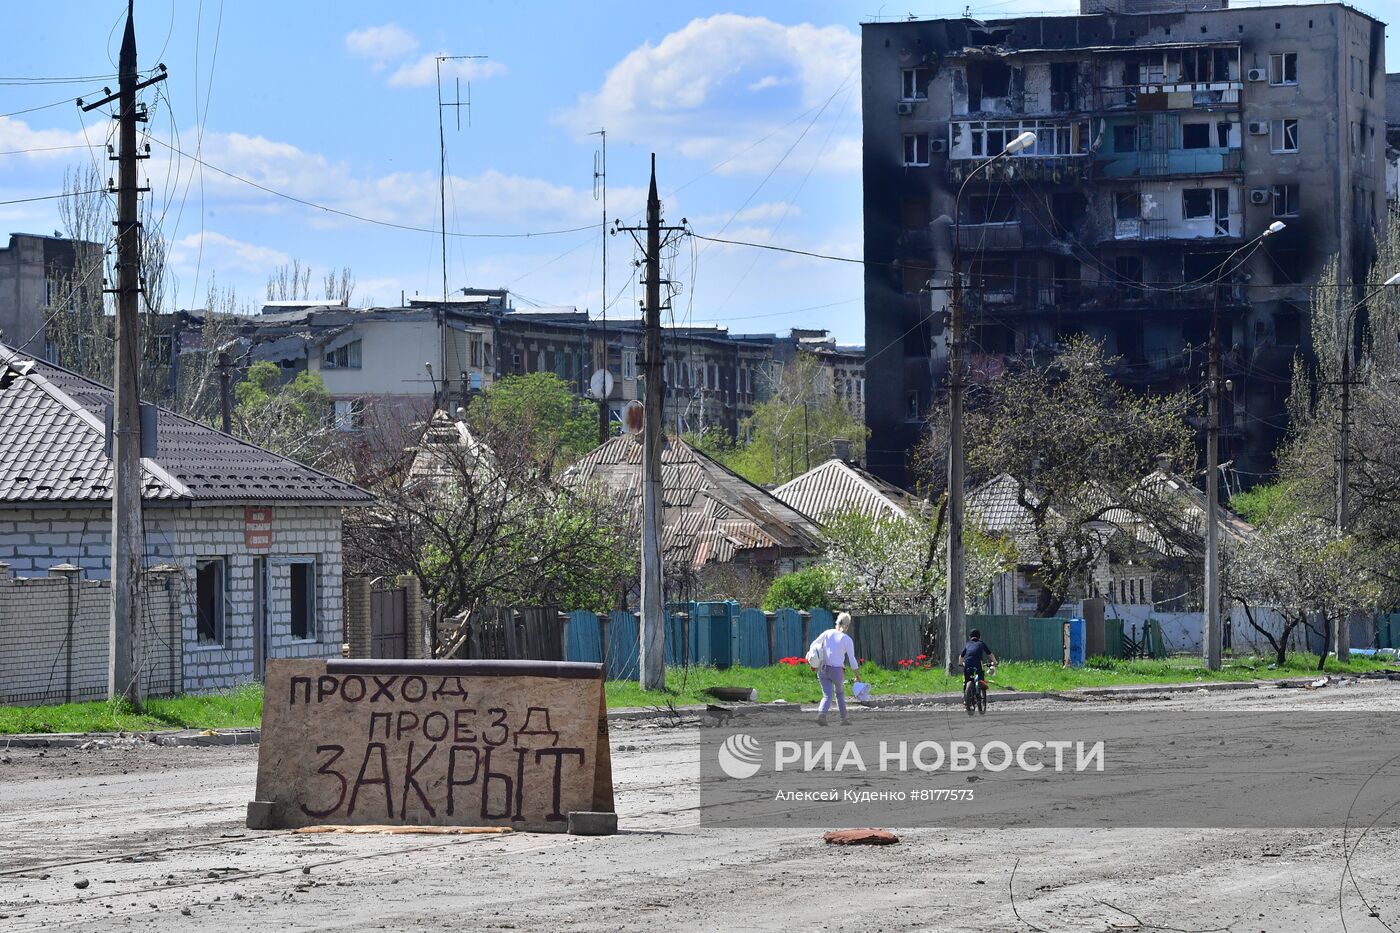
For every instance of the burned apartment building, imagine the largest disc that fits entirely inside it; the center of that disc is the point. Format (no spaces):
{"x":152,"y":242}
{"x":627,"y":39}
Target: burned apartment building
{"x":1165,"y":140}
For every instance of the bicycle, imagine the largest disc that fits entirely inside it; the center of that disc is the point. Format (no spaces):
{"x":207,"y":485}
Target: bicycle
{"x":975,"y":694}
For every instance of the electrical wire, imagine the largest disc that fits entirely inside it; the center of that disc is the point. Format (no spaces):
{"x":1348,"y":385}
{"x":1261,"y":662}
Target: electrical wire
{"x":360,"y":217}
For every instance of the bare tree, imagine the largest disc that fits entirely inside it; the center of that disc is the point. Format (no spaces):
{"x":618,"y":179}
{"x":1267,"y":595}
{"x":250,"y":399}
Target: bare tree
{"x":340,"y":286}
{"x":289,"y":282}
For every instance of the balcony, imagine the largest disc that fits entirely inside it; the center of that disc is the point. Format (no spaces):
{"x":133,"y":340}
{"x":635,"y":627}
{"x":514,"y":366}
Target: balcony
{"x":1160,"y":163}
{"x":1228,"y":227}
{"x":991,"y":236}
{"x":1170,"y":96}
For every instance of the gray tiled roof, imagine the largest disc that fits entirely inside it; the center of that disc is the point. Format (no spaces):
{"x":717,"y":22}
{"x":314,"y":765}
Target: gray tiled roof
{"x":51,"y":432}
{"x":711,"y":514}
{"x":836,"y":485}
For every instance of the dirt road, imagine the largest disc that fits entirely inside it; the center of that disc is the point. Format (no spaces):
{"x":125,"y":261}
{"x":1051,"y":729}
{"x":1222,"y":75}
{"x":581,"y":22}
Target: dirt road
{"x":150,"y":838}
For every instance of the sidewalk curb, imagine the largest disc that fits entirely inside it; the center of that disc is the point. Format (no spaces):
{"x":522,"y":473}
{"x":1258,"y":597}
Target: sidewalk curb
{"x":182,"y":738}
{"x":937,"y":699}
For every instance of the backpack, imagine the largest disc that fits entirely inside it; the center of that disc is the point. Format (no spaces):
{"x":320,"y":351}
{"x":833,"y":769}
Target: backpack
{"x":816,"y":652}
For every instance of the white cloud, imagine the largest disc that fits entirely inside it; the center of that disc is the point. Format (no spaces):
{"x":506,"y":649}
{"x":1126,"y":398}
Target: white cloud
{"x":424,"y":70}
{"x":710,"y":88}
{"x":381,"y":44}
{"x":223,"y":253}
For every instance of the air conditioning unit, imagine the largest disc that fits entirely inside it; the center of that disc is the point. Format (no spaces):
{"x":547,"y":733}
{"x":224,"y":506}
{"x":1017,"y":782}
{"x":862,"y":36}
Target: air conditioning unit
{"x":1259,"y":196}
{"x":938,"y":145}
{"x":1259,"y":128}
{"x":905,"y":108}
{"x":1257,"y":74}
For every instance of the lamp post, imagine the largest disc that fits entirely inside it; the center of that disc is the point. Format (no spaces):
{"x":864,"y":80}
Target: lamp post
{"x":1211,"y":641}
{"x":955,"y":627}
{"x":1343,"y":646}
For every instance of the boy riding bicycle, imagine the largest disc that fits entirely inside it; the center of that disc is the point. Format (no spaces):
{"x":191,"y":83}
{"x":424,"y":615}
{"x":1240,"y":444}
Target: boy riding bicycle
{"x":972,"y":657}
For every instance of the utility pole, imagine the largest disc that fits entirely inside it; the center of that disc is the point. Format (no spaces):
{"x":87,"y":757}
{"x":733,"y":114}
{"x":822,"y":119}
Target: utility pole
{"x":600,"y":186}
{"x":653,"y":632}
{"x":225,"y":392}
{"x":457,"y":106}
{"x":1211,"y":642}
{"x":1343,"y":635}
{"x":128,"y":545}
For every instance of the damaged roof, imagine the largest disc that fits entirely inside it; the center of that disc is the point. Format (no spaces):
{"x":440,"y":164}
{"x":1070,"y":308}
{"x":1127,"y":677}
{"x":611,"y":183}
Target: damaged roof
{"x":710,"y":513}
{"x":53,"y":434}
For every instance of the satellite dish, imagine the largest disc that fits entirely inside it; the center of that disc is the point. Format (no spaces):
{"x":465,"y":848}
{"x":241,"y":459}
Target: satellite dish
{"x":633,"y":417}
{"x":600,"y":386}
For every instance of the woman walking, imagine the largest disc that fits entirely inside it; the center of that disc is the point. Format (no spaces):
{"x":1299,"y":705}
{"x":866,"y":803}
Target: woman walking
{"x":832,"y":650}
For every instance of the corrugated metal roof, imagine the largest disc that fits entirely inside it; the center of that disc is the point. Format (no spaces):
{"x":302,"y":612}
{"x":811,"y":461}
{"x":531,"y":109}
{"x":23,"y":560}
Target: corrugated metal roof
{"x":51,"y":429}
{"x":836,"y":485}
{"x":711,"y":514}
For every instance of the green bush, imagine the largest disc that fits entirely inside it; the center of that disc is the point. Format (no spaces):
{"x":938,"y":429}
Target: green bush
{"x":801,"y":589}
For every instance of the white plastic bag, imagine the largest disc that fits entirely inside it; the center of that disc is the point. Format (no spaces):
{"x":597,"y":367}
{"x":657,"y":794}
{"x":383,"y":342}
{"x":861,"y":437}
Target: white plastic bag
{"x":816,"y":652}
{"x":860,"y":690}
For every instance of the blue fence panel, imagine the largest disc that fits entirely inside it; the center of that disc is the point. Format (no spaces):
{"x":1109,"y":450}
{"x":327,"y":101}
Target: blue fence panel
{"x":822,"y":619}
{"x":1076,"y":642}
{"x":585,"y":637}
{"x":676,"y":651}
{"x":624,"y":646}
{"x":753,"y":638}
{"x":788,"y":640}
{"x":711,"y":635}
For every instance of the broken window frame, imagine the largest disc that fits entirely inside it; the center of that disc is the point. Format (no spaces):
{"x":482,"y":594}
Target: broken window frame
{"x":1197,"y":128}
{"x":912,"y":150}
{"x":1133,"y":198}
{"x":1280,"y":66}
{"x":1285,"y":200}
{"x":1209,"y":199}
{"x":1283,"y":135}
{"x":911,"y":86}
{"x":301,"y":608}
{"x":1053,"y":139}
{"x":209,"y":626}
{"x":346,"y":356}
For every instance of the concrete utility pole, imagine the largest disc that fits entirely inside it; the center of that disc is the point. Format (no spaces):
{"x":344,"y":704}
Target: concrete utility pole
{"x":653,"y":632}
{"x":1211,"y":640}
{"x":600,"y":187}
{"x":128,"y":545}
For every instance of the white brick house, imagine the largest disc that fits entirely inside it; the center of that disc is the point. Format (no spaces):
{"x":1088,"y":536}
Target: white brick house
{"x":255,"y":537}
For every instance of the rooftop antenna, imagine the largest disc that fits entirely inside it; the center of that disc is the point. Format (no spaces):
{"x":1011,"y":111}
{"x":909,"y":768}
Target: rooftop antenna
{"x":457,"y":104}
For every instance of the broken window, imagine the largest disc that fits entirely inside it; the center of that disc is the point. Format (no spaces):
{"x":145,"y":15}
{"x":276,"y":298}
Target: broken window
{"x":1125,"y":138}
{"x":1284,"y":136}
{"x":916,"y":149}
{"x":1195,"y":136}
{"x":1288,"y":265}
{"x":1222,"y":134}
{"x":1064,"y":79}
{"x":1127,"y":205}
{"x":303,"y":599}
{"x":343,"y":357}
{"x":990,"y":209}
{"x":1200,"y":267}
{"x":1196,"y":203}
{"x":994,"y":275}
{"x":1283,"y":68}
{"x":1285,"y":200}
{"x":914,"y":83}
{"x":1067,"y":208}
{"x":987,"y":80}
{"x":1128,"y":271}
{"x":210,"y":595}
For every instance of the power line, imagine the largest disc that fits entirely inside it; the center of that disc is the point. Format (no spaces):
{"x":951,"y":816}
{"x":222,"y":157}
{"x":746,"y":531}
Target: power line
{"x":360,"y":217}
{"x":53,"y":197}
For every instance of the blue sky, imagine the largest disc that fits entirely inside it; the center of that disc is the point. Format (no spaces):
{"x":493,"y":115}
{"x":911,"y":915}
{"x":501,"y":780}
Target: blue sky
{"x":754,"y":114}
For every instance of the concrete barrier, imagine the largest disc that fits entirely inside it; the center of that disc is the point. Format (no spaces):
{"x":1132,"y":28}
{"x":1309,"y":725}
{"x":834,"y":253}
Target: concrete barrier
{"x":432,"y":743}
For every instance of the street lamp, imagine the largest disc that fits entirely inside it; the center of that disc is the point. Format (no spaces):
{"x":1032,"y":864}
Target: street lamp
{"x":955,"y":627}
{"x":1211,"y":641}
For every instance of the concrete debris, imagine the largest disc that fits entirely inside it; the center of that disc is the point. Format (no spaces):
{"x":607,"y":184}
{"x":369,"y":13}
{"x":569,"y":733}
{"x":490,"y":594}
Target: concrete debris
{"x":860,"y":837}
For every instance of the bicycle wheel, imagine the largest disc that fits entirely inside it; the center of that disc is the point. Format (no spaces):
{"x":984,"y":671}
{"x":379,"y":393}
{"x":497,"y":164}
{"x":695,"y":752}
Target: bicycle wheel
{"x":970,"y":696}
{"x":982,"y":701}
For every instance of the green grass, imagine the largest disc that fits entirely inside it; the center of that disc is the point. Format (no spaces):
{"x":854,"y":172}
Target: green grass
{"x":243,"y":706}
{"x":799,"y":684}
{"x":227,"y":709}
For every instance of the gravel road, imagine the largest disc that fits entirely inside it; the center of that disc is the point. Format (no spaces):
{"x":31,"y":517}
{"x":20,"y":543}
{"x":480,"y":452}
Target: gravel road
{"x":151,"y":838}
